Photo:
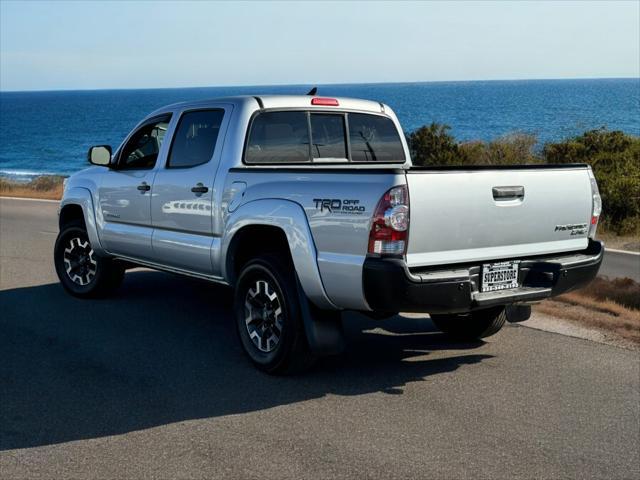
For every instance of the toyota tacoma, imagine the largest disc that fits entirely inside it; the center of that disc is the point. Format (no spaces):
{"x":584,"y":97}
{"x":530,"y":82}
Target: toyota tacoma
{"x":309,"y":206}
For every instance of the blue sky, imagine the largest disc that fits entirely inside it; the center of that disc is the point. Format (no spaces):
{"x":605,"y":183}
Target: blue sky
{"x":59,"y":45}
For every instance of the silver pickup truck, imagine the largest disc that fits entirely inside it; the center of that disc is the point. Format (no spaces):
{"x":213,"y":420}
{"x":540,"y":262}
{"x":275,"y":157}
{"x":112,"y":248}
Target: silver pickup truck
{"x":309,"y":206}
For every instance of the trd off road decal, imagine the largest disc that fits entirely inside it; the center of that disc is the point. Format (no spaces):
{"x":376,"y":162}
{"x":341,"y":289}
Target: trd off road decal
{"x":336,"y":205}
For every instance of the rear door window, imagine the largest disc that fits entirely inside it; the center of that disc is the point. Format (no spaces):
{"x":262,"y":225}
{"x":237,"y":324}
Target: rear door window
{"x":278,"y":137}
{"x":374,"y":138}
{"x":195,"y":139}
{"x":328,"y":136}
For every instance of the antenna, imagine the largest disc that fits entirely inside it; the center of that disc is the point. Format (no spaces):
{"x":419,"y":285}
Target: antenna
{"x":313,"y":91}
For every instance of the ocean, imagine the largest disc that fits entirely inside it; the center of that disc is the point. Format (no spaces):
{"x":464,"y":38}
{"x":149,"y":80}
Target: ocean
{"x":50,"y":132}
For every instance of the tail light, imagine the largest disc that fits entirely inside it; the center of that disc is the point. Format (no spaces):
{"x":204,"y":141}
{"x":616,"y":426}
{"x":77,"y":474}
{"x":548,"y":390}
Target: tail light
{"x":596,"y":205}
{"x":390,"y":223}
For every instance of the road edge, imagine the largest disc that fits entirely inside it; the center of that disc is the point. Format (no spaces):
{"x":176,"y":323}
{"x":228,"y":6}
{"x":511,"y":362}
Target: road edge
{"x":568,"y":328}
{"x":29,"y":199}
{"x":627,"y":252}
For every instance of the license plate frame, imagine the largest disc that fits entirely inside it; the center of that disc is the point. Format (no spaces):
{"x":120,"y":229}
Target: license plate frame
{"x":499,"y":276}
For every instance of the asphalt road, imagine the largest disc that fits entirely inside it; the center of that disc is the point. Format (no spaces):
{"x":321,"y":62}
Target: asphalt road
{"x":152,"y":382}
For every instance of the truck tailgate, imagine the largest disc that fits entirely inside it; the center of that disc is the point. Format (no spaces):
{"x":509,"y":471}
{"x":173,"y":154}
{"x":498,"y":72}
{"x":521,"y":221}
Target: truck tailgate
{"x":467,"y":215}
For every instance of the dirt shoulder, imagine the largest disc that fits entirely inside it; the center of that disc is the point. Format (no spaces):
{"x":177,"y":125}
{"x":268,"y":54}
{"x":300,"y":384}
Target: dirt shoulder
{"x":46,"y":187}
{"x":629,"y":243}
{"x":610,"y":308}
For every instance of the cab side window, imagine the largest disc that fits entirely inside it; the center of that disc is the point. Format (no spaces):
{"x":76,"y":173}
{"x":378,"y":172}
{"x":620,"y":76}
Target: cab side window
{"x":278,"y":137}
{"x":141,"y":151}
{"x":374,"y":138}
{"x":195,"y":138}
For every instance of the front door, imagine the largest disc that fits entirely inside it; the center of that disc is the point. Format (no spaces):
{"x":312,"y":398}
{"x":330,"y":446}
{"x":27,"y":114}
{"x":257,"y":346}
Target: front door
{"x":125,"y":191}
{"x":182,"y":205}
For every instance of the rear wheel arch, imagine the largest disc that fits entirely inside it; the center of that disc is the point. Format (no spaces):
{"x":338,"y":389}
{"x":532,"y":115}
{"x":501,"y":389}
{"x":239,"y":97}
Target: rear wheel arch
{"x":253,"y":241}
{"x":293,"y":231}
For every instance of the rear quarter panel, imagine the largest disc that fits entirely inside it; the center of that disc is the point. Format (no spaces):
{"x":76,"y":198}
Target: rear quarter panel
{"x":338,"y":205}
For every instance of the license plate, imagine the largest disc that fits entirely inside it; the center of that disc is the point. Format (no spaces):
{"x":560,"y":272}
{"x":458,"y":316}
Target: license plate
{"x":499,"y":276}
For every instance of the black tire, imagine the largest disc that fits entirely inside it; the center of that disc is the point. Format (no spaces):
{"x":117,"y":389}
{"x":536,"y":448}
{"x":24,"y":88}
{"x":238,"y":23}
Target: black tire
{"x":83,"y":273}
{"x":472,"y":326}
{"x":268,"y":317}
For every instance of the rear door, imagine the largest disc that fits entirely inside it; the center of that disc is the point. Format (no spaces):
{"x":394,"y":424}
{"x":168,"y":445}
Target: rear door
{"x":182,"y":206}
{"x":479,"y":214}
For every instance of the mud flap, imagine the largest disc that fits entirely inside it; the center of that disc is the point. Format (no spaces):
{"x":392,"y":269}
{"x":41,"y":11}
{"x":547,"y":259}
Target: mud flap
{"x":323,"y":327}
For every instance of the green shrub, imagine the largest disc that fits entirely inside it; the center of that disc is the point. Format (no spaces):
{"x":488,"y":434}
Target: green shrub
{"x":512,"y":149}
{"x":433,"y":145}
{"x":615,"y":159}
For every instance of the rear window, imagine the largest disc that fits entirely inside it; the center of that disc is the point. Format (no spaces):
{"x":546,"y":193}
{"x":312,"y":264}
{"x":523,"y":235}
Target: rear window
{"x":302,"y":137}
{"x":327,"y":134}
{"x":374,"y":139}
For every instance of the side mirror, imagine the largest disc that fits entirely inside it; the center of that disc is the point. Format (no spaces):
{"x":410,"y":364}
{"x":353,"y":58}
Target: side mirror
{"x":100,"y":155}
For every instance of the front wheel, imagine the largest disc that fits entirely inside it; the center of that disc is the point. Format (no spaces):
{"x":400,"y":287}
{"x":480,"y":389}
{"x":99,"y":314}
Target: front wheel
{"x":81,"y":271}
{"x":268,"y":317}
{"x":471,"y":326}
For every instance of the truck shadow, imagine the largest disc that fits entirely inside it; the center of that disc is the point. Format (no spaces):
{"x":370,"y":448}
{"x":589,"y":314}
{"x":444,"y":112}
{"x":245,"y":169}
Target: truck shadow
{"x":164,"y":350}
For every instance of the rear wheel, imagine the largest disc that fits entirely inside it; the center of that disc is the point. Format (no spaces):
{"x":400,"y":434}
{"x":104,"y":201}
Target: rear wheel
{"x":81,"y":271}
{"x":268,"y":317}
{"x":471,"y":326}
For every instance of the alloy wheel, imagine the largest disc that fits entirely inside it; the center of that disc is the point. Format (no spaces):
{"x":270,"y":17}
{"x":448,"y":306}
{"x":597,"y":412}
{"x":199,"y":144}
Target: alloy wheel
{"x":264,"y":316}
{"x":79,"y":261}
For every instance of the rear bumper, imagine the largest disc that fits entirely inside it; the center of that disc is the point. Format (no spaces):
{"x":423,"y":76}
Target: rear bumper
{"x":390,"y":286}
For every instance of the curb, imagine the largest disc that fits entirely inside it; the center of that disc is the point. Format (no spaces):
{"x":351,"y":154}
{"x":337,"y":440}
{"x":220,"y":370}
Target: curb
{"x":26,"y":199}
{"x":627,"y":252}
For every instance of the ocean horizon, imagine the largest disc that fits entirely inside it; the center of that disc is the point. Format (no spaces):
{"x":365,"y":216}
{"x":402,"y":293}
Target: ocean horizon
{"x":49,"y":132}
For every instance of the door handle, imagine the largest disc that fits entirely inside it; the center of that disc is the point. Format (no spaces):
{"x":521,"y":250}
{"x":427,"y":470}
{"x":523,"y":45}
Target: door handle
{"x":143,"y":187}
{"x":508,"y":193}
{"x":200,"y":188}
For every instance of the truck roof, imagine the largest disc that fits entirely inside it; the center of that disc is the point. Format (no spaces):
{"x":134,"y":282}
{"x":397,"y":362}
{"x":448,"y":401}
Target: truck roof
{"x":280,"y":101}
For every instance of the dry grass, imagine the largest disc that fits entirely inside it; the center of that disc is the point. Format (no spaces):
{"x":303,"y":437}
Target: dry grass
{"x":46,"y":187}
{"x":622,"y":291}
{"x":608,"y":305}
{"x":621,"y":242}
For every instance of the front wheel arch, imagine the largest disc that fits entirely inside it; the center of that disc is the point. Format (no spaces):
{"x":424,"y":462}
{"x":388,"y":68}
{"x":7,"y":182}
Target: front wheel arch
{"x":71,"y":213}
{"x":80,"y":204}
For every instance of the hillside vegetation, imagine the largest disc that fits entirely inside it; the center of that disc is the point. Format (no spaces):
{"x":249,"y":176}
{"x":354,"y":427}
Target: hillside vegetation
{"x":613,"y":155}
